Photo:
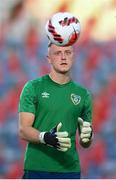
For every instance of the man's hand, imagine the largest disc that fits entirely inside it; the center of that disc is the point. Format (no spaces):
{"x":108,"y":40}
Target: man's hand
{"x":85,"y":132}
{"x":56,"y":139}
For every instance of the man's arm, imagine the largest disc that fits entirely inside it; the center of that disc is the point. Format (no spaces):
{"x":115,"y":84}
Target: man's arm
{"x":26,"y":131}
{"x":54,"y":138}
{"x":85,"y":122}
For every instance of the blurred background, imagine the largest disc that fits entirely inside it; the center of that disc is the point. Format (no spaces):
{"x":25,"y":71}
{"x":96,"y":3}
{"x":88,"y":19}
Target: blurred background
{"x":23,"y":50}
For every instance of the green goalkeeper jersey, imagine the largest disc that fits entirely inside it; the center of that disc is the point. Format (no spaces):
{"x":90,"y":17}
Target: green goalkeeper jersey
{"x":52,"y":103}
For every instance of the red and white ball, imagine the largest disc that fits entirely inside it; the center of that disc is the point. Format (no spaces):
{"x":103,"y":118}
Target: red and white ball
{"x":63,"y":29}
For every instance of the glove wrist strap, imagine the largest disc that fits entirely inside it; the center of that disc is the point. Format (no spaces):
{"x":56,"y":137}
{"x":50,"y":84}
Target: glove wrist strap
{"x":41,"y":137}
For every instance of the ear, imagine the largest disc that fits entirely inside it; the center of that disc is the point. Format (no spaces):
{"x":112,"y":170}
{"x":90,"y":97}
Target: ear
{"x":49,"y":60}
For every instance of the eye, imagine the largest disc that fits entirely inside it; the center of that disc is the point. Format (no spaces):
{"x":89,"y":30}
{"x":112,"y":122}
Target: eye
{"x":68,"y":52}
{"x":57,"y":53}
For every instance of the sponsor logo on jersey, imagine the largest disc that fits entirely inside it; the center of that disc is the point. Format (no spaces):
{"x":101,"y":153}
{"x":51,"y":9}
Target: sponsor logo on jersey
{"x":45,"y":95}
{"x":75,"y":99}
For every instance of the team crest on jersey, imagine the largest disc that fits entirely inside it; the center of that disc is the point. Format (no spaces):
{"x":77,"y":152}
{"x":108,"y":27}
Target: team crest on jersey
{"x":45,"y":95}
{"x":75,"y":99}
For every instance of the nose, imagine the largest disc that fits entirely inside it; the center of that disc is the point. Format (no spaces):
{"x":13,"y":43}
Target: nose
{"x":63,"y":56}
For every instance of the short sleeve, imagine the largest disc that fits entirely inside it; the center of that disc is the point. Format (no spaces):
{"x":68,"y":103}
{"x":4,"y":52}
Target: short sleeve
{"x":27,"y":102}
{"x":87,"y":108}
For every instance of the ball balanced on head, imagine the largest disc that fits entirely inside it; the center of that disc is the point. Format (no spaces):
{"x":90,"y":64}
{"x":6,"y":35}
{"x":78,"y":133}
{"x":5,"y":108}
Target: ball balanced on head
{"x":63,"y":29}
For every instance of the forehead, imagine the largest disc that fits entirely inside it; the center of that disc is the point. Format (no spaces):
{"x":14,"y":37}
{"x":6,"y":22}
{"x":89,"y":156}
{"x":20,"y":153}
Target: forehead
{"x":53,"y":47}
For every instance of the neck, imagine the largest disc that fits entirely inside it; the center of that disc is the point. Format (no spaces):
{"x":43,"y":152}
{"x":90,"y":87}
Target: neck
{"x":60,"y":78}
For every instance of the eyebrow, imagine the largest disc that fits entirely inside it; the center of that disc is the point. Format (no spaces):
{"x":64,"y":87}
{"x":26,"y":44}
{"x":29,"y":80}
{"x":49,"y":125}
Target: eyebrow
{"x":68,"y":50}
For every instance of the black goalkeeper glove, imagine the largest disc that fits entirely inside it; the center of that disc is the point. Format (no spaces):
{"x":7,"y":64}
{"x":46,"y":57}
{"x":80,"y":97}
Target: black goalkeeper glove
{"x":56,"y":139}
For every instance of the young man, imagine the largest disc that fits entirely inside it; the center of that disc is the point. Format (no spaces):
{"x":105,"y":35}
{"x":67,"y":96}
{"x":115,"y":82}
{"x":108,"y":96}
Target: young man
{"x":51,"y":109}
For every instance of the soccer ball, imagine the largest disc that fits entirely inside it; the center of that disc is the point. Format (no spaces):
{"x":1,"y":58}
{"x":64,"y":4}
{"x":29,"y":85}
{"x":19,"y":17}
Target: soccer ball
{"x":63,"y":29}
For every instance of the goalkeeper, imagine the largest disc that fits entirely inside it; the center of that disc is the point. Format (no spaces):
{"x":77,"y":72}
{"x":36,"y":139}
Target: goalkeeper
{"x":51,"y":109}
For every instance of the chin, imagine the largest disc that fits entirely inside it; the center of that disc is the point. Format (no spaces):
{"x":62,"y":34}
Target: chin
{"x":63,"y":72}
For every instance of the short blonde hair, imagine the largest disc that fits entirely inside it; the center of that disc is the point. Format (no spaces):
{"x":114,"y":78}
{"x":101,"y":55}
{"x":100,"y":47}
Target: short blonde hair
{"x":49,"y":44}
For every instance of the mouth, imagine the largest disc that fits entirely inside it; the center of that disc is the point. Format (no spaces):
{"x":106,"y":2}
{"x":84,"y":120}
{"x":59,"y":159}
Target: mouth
{"x":63,"y":64}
